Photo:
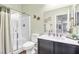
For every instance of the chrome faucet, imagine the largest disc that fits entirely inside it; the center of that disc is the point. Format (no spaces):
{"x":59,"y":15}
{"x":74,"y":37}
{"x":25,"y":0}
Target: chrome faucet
{"x":49,"y":33}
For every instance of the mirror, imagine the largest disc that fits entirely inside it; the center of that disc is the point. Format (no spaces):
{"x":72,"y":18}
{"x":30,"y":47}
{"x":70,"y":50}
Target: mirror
{"x":61,"y":23}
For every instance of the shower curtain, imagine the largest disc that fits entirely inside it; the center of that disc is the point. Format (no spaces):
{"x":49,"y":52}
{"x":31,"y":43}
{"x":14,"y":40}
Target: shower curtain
{"x":19,"y":25}
{"x":5,"y":42}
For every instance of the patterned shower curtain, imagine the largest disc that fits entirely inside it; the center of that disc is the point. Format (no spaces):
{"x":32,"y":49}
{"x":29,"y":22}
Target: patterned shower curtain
{"x":5,"y":42}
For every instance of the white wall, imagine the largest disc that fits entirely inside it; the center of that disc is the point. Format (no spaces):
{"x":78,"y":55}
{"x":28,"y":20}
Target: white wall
{"x":35,"y":9}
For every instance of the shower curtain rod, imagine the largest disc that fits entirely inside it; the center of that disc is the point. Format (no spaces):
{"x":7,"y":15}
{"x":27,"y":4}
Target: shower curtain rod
{"x":20,"y":11}
{"x":14,"y":9}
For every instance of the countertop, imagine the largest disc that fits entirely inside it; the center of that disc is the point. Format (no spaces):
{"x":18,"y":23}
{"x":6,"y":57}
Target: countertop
{"x":59,"y":39}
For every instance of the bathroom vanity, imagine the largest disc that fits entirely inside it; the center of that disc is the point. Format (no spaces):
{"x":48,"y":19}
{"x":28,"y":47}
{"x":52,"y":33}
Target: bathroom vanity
{"x":57,"y":45}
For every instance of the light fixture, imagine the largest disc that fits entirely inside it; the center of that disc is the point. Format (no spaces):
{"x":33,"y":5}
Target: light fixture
{"x":34,"y":16}
{"x":38,"y":18}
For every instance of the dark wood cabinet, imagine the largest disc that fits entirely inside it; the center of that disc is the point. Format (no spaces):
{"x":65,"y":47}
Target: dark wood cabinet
{"x":62,"y":48}
{"x":45,"y":46}
{"x":58,"y":48}
{"x":51,"y":47}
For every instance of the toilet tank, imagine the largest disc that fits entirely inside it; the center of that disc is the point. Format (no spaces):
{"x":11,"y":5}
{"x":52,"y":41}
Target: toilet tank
{"x":34,"y":37}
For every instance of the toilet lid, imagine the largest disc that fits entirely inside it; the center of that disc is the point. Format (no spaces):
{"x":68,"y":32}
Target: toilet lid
{"x":28,"y":44}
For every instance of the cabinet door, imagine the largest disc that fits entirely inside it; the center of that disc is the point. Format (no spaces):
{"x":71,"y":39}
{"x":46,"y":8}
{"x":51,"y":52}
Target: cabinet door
{"x":51,"y":47}
{"x":58,"y":48}
{"x":62,"y":48}
{"x":77,"y":50}
{"x":43,"y":46}
{"x":68,"y":49}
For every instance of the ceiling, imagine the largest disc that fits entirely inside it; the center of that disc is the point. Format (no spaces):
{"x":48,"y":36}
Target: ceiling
{"x":49,"y":7}
{"x":43,"y":7}
{"x":35,"y":8}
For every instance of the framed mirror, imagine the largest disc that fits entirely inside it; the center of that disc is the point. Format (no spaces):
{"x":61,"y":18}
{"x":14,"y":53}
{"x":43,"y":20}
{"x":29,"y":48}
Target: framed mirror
{"x":61,"y":23}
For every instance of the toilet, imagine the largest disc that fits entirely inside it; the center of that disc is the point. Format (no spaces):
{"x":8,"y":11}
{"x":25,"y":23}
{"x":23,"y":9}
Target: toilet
{"x":31,"y":46}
